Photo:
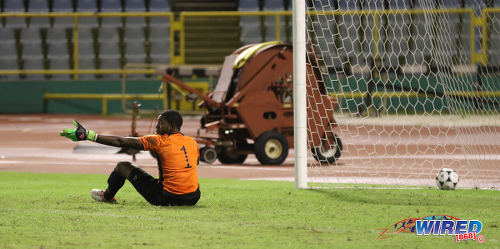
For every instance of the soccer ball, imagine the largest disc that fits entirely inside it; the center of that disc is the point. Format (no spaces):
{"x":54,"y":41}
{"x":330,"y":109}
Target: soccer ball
{"x":447,"y":179}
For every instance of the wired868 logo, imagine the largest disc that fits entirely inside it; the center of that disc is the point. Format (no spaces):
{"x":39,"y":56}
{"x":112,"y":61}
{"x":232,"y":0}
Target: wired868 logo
{"x":437,"y":225}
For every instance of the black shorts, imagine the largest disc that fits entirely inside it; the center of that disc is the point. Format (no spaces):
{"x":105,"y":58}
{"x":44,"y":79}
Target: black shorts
{"x":152,"y":190}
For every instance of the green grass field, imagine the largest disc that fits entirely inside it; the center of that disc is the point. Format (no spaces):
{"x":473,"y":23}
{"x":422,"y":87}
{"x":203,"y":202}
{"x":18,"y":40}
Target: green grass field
{"x":56,"y":211}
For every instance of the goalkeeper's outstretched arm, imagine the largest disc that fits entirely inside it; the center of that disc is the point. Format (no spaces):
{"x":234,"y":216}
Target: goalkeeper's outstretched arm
{"x":123,"y":142}
{"x":79,"y":133}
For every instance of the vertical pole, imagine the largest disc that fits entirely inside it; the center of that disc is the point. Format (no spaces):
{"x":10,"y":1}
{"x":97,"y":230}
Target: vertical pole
{"x":169,"y":97}
{"x":277,"y":27}
{"x":484,"y":42}
{"x":104,"y":106}
{"x":299,"y":93}
{"x":182,"y":41}
{"x":75,"y":47}
{"x":165,"y":99}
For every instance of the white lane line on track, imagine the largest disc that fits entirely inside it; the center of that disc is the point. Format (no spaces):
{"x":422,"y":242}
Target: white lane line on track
{"x":481,"y":157}
{"x":464,"y":183}
{"x":10,"y":162}
{"x":70,"y":163}
{"x":270,"y":168}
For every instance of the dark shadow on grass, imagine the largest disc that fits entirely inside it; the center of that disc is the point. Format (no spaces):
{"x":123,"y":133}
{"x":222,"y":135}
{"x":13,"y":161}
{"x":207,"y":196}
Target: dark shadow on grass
{"x":143,"y":203}
{"x":176,"y":207}
{"x":184,"y":207}
{"x":386,"y":199}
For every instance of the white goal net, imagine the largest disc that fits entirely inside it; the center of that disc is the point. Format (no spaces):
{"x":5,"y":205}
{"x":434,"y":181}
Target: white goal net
{"x":398,"y":89}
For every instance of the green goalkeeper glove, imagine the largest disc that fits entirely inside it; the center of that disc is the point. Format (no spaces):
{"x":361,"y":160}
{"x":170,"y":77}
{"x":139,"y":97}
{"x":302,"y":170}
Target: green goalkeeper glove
{"x":79,"y":133}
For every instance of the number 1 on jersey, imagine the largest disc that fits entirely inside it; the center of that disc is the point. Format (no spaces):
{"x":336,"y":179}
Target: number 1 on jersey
{"x":187,"y":160}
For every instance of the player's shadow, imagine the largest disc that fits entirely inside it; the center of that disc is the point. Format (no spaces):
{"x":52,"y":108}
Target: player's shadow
{"x":364,"y":197}
{"x":145,"y":204}
{"x":186,"y":207}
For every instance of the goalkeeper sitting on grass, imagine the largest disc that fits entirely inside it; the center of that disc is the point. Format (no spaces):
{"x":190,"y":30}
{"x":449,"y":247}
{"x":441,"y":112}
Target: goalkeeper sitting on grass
{"x":177,"y":163}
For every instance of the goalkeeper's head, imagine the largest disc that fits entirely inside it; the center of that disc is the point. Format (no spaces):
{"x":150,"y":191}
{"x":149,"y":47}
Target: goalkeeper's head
{"x":168,"y":122}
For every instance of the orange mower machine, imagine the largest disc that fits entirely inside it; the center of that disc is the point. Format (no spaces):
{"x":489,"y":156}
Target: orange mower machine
{"x":253,"y":102}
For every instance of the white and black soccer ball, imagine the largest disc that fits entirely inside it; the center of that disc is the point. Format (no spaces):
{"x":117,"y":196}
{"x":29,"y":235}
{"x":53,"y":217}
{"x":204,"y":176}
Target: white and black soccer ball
{"x":447,"y":179}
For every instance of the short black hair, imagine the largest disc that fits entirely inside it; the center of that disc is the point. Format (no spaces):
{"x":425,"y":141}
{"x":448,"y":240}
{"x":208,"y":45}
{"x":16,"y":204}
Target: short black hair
{"x":173,"y":117}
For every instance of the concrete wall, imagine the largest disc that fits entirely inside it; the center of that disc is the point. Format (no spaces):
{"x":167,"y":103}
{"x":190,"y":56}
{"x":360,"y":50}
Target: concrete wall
{"x":27,"y":96}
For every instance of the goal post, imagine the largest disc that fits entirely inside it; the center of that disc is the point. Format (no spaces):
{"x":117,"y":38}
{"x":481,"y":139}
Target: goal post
{"x":391,"y":91}
{"x":299,"y":93}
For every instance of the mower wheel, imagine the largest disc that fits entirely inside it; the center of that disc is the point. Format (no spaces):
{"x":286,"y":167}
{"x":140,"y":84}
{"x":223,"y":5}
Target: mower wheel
{"x":331,"y":153}
{"x":208,"y":155}
{"x":271,"y":148}
{"x":227,"y":157}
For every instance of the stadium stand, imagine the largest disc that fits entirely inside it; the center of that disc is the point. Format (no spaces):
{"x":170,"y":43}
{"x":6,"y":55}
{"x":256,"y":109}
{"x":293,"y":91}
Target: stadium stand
{"x":159,"y":21}
{"x":288,"y":4}
{"x":85,"y":34}
{"x":110,"y":63}
{"x":8,"y":51}
{"x":160,"y":52}
{"x":111,"y":6}
{"x":7,"y":64}
{"x":33,"y":64}
{"x":400,"y":4}
{"x":62,"y":6}
{"x":56,"y":34}
{"x":250,"y":25}
{"x":7,"y":35}
{"x":270,"y":26}
{"x":32,"y":56}
{"x":86,"y":63}
{"x":30,"y":35}
{"x":133,"y":34}
{"x":13,"y":6}
{"x":203,"y":5}
{"x":107,"y":34}
{"x":87,"y":6}
{"x":88,"y":21}
{"x":109,"y":49}
{"x":57,"y":50}
{"x":15,"y":22}
{"x":135,"y":5}
{"x":274,"y":5}
{"x":159,"y":33}
{"x":32,"y":51}
{"x":59,"y":64}
{"x":40,"y":6}
{"x":159,"y":6}
{"x":348,"y":5}
{"x":65,"y":22}
{"x":135,"y":52}
{"x":133,"y":21}
{"x":86,"y":50}
{"x":248,"y":5}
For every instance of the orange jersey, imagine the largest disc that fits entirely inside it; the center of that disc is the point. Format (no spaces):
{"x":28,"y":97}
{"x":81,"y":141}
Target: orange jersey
{"x":177,"y":161}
